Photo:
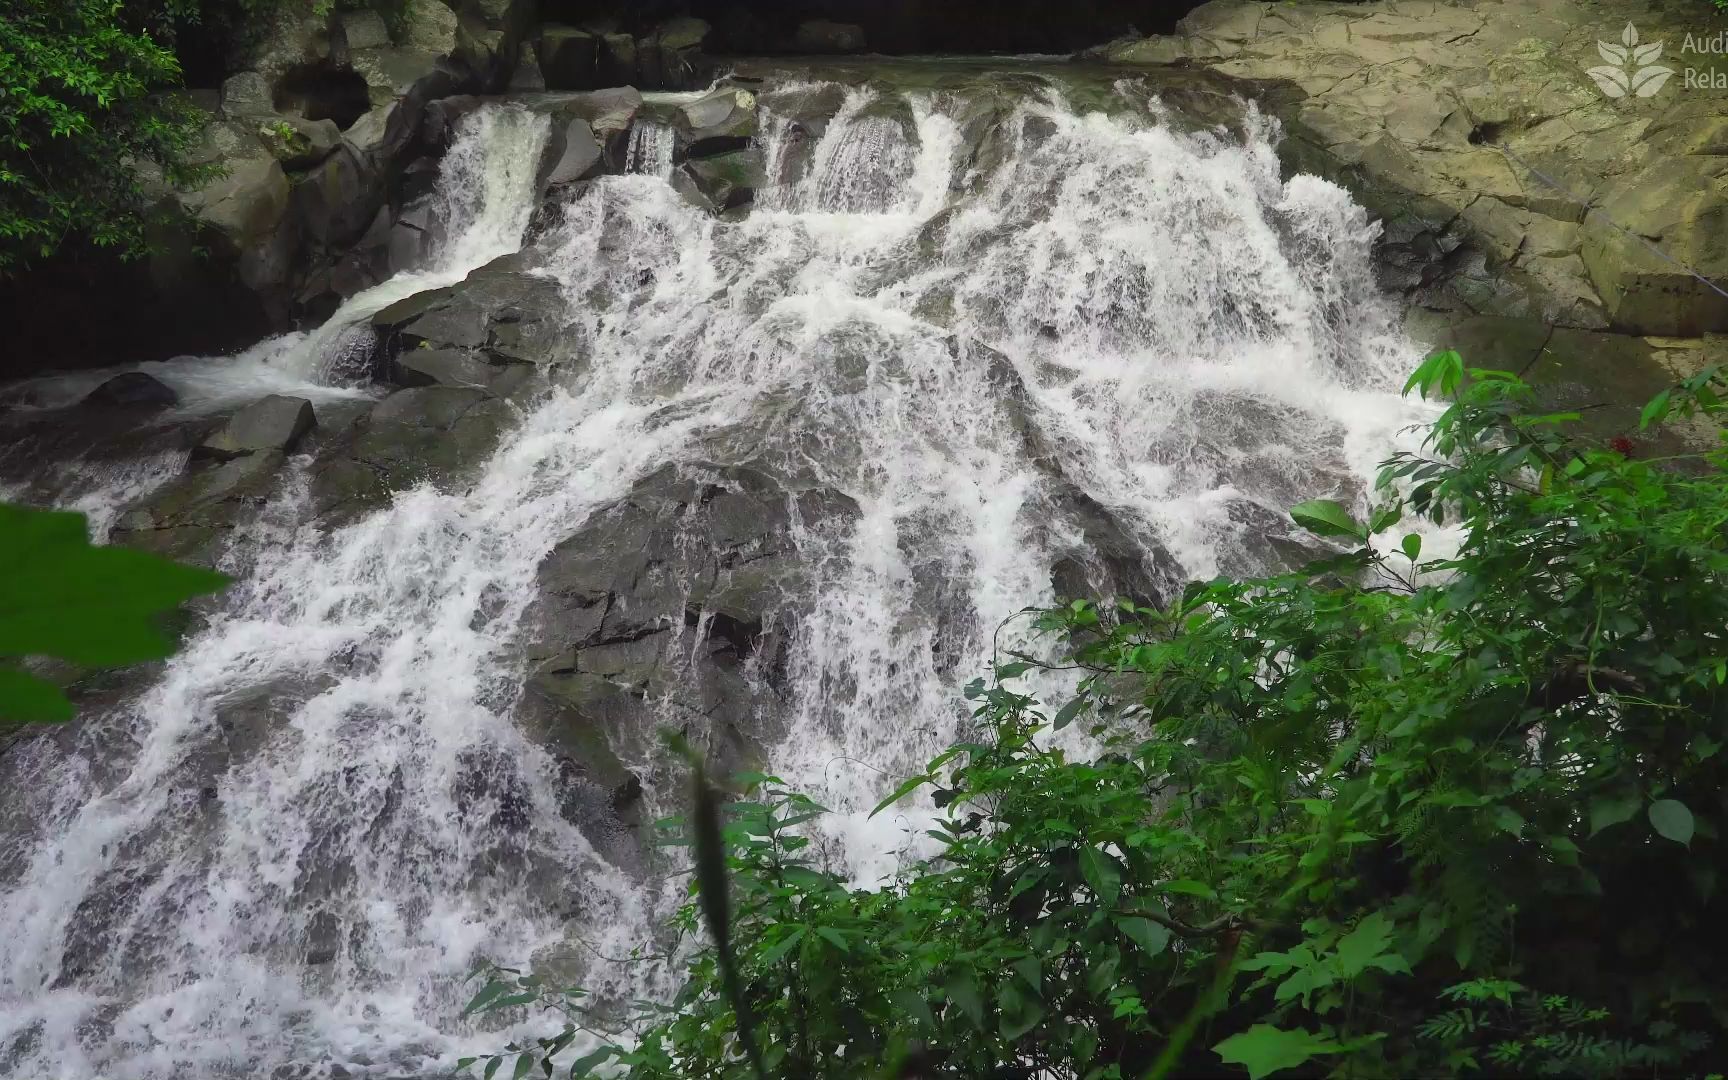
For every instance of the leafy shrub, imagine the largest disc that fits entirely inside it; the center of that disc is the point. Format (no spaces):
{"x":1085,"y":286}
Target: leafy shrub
{"x":81,"y":107}
{"x":1388,"y":816}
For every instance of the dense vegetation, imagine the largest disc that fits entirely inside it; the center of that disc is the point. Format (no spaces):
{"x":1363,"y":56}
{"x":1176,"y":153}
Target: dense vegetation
{"x":1393,"y":815}
{"x":88,"y":122}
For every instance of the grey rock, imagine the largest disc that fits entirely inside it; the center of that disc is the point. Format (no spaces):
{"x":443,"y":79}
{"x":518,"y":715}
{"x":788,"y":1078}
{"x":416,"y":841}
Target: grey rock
{"x":298,"y":142}
{"x":684,"y":592}
{"x":247,"y":94}
{"x":573,"y":154}
{"x":618,"y":60}
{"x":426,"y":434}
{"x":609,"y":113}
{"x":338,"y":199}
{"x":358,"y":30}
{"x":248,"y":203}
{"x":275,"y":423}
{"x":456,"y":367}
{"x":723,"y":182}
{"x":438,"y":122}
{"x":512,"y":315}
{"x":569,"y":58}
{"x":728,"y":113}
{"x":526,"y":78}
{"x":190,"y":518}
{"x":431,"y":27}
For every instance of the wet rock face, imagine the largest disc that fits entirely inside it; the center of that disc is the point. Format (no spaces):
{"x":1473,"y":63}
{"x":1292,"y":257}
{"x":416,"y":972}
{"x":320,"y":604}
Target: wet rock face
{"x":681,"y":596}
{"x":501,"y":311}
{"x":1508,"y":184}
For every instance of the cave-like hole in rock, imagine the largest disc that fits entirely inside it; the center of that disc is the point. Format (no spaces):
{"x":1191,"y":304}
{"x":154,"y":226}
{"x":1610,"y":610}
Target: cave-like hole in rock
{"x":323,"y":92}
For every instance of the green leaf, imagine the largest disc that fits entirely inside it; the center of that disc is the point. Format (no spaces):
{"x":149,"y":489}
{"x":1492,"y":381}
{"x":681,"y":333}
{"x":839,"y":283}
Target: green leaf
{"x":1031,"y":969}
{"x":1068,"y":712}
{"x":489,"y":993}
{"x":1018,"y":1012}
{"x":1656,"y":411}
{"x":1014,"y":670}
{"x":1412,"y":546}
{"x":833,"y":937}
{"x":1102,"y":875}
{"x":1264,"y":1049}
{"x":1610,"y":810}
{"x":1327,"y":517}
{"x":1363,"y":945}
{"x":1152,"y":937}
{"x":1190,"y":888}
{"x":963,"y":992}
{"x":524,"y":1064}
{"x":772,"y":954}
{"x":584,"y":1065}
{"x":912,"y":1003}
{"x":902,"y":791}
{"x":1672,"y":820}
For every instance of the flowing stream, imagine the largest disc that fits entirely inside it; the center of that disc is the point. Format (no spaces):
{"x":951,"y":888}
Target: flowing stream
{"x":957,"y":340}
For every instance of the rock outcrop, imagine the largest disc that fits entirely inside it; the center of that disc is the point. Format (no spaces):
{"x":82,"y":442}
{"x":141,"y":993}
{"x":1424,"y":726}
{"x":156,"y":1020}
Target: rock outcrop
{"x":1517,"y":198}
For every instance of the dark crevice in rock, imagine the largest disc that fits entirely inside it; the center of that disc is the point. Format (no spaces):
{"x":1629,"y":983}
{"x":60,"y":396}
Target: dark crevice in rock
{"x":322,"y":91}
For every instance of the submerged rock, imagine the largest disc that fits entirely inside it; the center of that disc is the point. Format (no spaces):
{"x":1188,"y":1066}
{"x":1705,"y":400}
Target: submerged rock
{"x":132,"y":390}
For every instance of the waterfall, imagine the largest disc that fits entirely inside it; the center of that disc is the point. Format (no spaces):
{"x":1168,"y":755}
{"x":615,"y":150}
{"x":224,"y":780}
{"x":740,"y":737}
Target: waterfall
{"x":1112,"y":306}
{"x":650,"y":149}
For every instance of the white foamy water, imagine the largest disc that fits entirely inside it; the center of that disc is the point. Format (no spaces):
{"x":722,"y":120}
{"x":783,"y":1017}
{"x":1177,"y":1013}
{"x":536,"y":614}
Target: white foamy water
{"x":650,"y":150}
{"x":1149,"y":319}
{"x":484,"y":201}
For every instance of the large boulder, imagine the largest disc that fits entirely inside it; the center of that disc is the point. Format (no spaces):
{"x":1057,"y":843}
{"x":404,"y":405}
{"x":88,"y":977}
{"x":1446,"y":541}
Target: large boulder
{"x":725,"y":116}
{"x":430,"y":27}
{"x":247,"y":202}
{"x":678,"y":62}
{"x":501,"y":310}
{"x":336,"y":201}
{"x":569,"y":58}
{"x":722,"y":182}
{"x":572,"y":153}
{"x":682,"y":594}
{"x":191,"y":518}
{"x":270,"y":425}
{"x":425,"y":434}
{"x":299,"y":143}
{"x":247,"y":94}
{"x":457,"y":367}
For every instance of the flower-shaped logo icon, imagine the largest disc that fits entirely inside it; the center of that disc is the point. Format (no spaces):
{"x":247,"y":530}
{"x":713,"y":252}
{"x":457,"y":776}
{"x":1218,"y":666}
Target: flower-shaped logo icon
{"x":1632,"y":68}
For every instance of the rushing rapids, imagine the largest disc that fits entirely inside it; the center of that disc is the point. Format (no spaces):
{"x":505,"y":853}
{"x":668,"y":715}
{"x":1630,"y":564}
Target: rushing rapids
{"x":1102,"y":332}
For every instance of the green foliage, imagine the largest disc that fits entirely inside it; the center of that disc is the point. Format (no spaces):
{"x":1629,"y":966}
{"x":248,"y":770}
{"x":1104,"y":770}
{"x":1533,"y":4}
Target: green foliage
{"x":96,"y":607}
{"x":81,"y":111}
{"x":1385,"y":816}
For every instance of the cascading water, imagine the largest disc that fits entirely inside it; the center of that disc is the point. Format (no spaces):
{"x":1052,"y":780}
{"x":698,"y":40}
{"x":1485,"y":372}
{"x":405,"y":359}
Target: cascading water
{"x":651,"y":148}
{"x":1107,"y":306}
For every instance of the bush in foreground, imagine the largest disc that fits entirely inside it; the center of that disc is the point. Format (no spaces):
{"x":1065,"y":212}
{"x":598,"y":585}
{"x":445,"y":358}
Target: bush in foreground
{"x":1388,"y":816}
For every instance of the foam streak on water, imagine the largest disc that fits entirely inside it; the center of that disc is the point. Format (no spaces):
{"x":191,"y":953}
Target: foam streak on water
{"x":1148,"y":318}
